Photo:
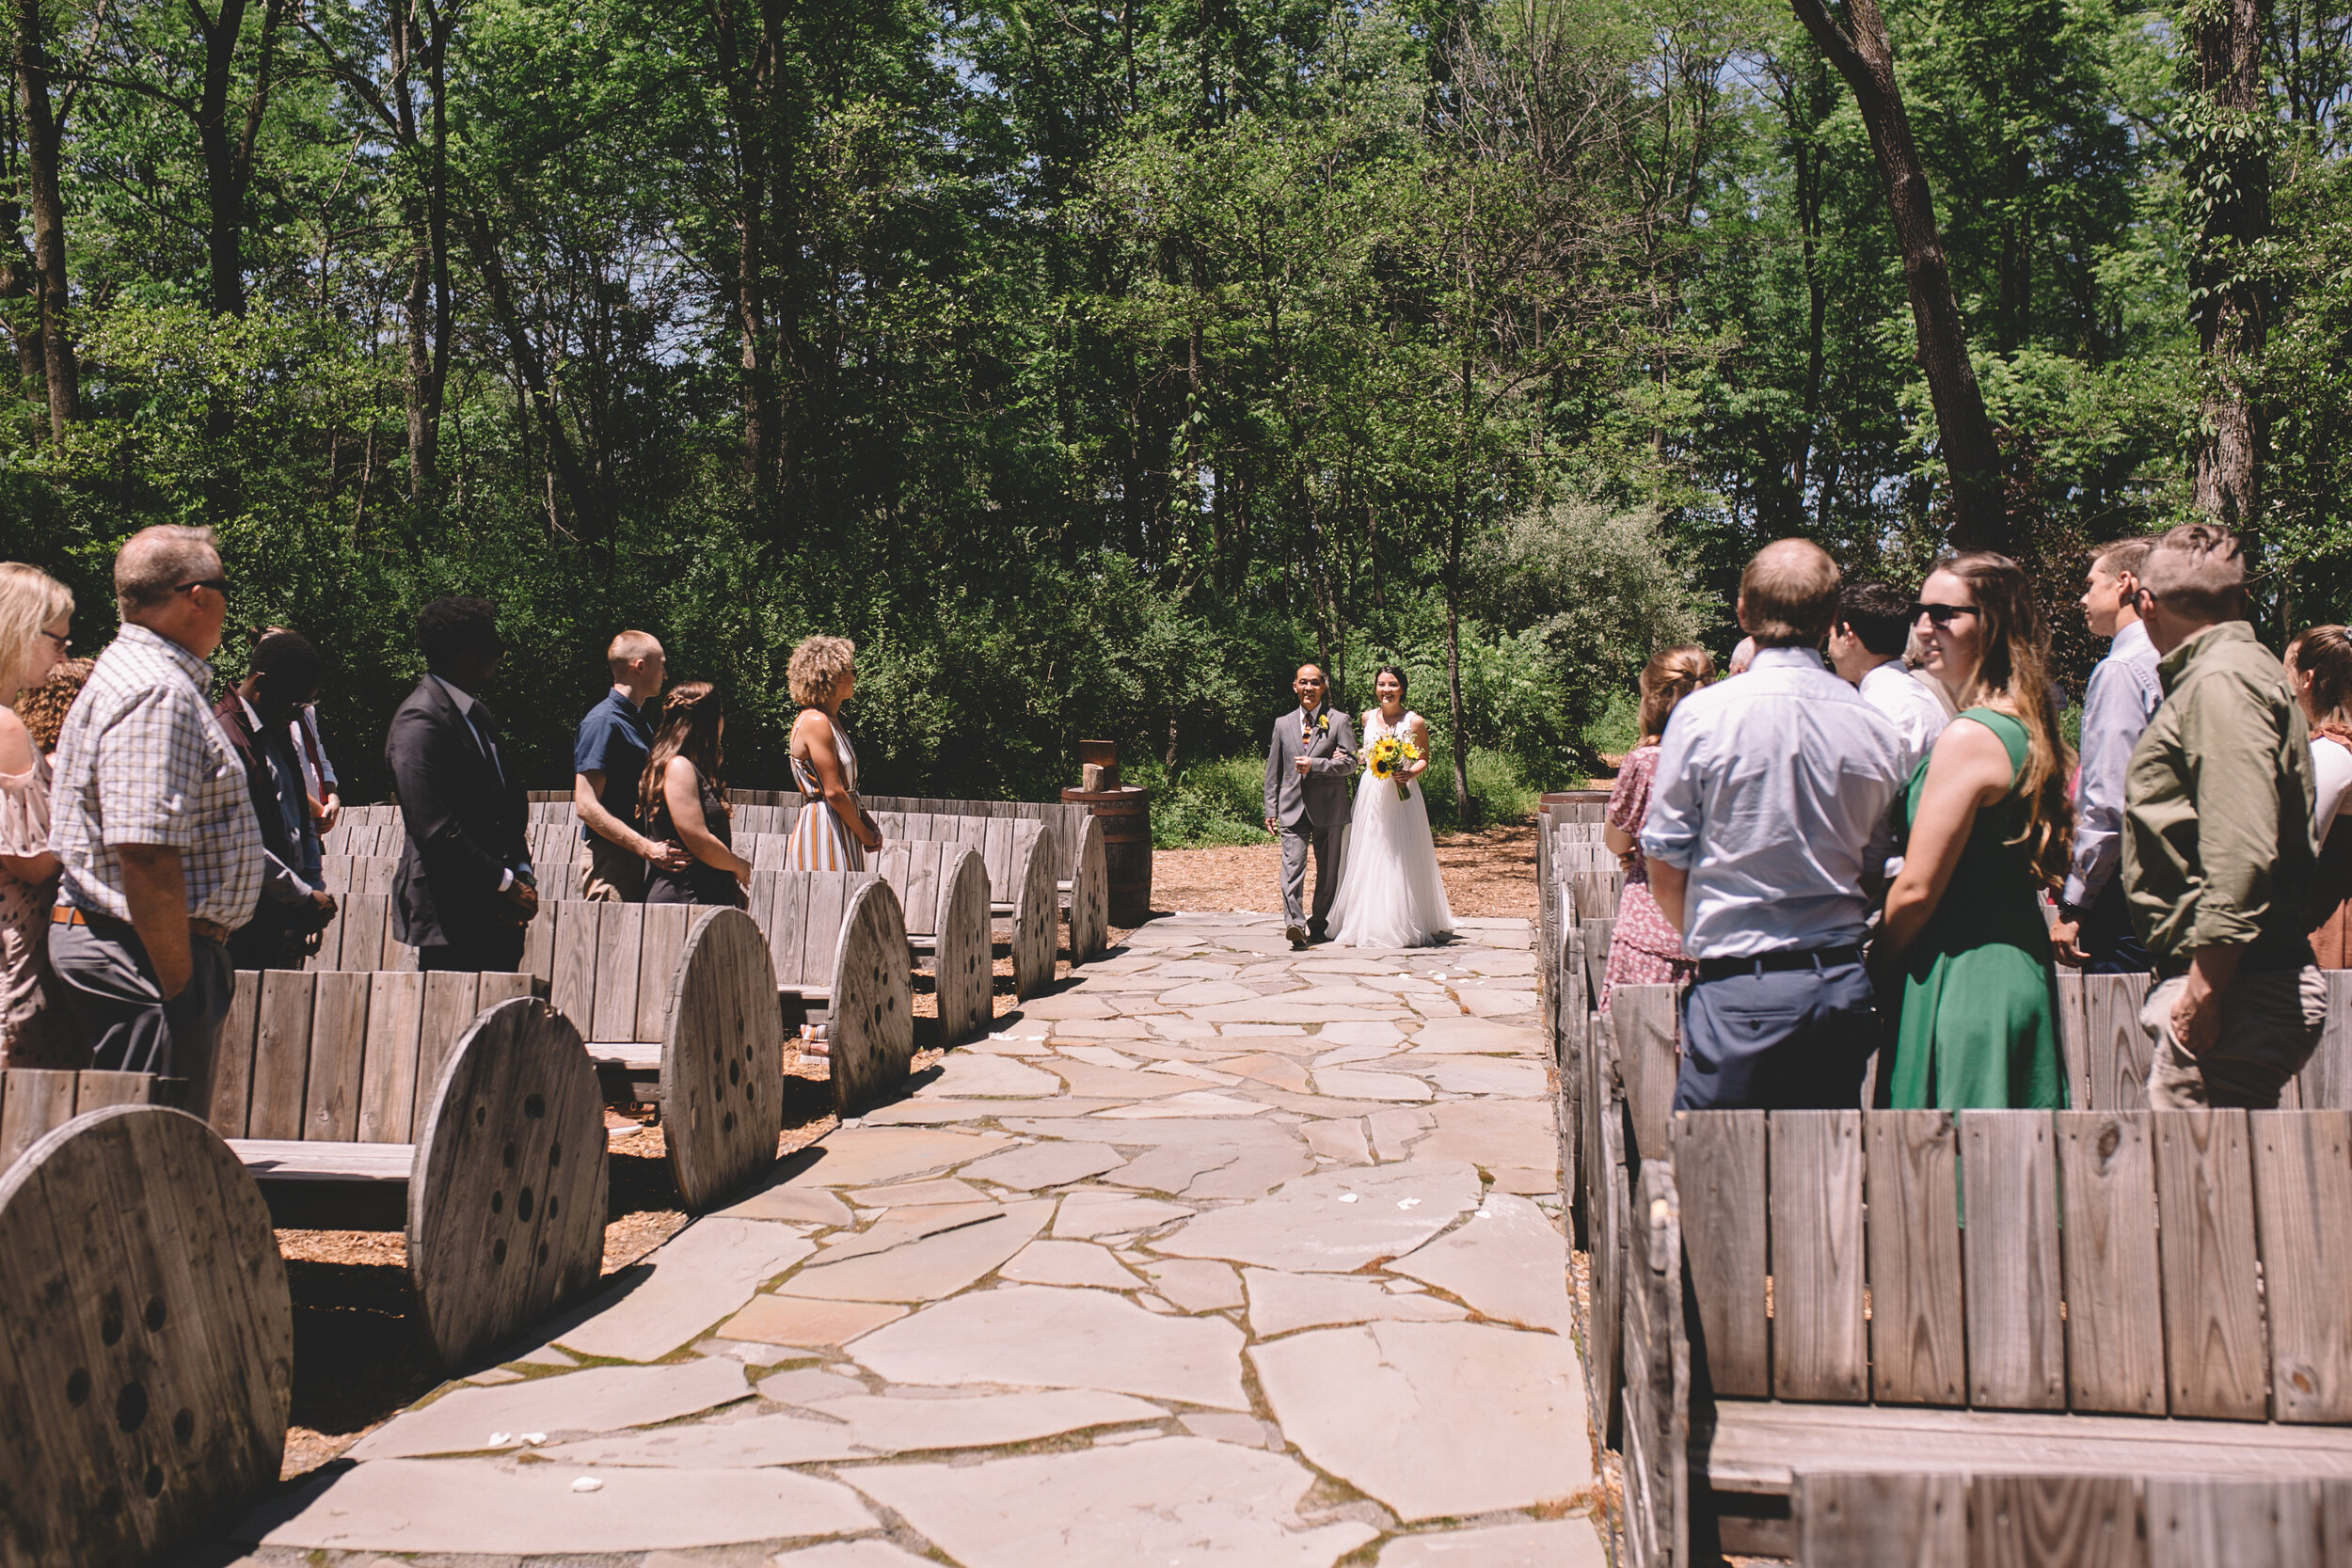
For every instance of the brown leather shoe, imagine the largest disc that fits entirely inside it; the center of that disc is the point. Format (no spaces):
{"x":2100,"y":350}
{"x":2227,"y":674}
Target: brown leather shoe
{"x":1296,"y":935}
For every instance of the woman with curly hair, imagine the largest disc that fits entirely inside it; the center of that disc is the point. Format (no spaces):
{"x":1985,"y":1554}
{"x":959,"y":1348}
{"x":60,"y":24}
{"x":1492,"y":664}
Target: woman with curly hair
{"x":833,"y":832}
{"x":1988,"y":827}
{"x":43,"y":707}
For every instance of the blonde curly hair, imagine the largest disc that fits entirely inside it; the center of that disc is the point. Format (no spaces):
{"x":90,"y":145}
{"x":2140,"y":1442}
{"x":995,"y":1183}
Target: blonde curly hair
{"x":818,"y":666}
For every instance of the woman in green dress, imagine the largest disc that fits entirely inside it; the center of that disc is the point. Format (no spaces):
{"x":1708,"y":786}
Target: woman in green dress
{"x":1989,"y":825}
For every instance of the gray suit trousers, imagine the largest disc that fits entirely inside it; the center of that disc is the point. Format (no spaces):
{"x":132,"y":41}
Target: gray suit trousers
{"x":1297,"y":837}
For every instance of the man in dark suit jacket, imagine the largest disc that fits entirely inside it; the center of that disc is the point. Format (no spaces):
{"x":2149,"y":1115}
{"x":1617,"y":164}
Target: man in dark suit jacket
{"x":1308,"y":761}
{"x":258,"y":716}
{"x":464,"y":889}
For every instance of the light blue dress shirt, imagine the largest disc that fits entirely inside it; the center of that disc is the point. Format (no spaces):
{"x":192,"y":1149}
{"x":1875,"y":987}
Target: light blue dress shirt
{"x":2121,"y":699}
{"x":1776,"y":790}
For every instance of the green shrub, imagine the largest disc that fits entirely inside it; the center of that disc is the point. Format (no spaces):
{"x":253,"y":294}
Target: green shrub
{"x":1208,"y":803}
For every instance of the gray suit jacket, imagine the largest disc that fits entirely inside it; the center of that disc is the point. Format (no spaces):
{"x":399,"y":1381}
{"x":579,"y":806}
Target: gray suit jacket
{"x":1321,"y":797}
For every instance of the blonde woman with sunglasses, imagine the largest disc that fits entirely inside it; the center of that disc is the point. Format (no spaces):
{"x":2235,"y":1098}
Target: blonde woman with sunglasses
{"x":36,"y":618}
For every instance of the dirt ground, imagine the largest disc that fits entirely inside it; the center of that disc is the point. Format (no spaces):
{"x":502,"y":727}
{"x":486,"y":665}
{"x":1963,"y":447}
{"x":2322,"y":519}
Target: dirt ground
{"x":1490,"y":874}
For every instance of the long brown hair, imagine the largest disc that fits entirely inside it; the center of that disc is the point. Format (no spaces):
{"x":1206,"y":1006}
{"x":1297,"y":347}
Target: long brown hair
{"x":2324,"y":653}
{"x":1671,"y":674}
{"x":690,"y":729}
{"x":2016,"y":667}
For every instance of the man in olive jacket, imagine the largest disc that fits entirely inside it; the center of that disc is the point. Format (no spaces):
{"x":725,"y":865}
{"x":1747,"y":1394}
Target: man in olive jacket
{"x":2218,"y":845}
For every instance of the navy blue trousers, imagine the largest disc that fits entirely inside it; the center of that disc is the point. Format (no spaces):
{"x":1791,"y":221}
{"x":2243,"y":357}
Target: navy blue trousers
{"x":1789,"y":1039}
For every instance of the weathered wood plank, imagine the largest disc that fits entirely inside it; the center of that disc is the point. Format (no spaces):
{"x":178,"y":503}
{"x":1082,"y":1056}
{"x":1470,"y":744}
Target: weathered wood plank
{"x":338,"y":1066}
{"x":2233,"y":1523}
{"x":2303,"y":1228}
{"x":620,"y":941}
{"x":449,"y":1006}
{"x":1645,"y":1021}
{"x":2117,"y":1047}
{"x":38,"y":1099}
{"x":1719,"y":1167}
{"x":2215,"y":1349}
{"x":95,"y":1091}
{"x":2074,"y":1040}
{"x":723,"y":1065}
{"x":2114,"y":1304}
{"x":1819,"y":1341}
{"x":2038,"y":1521}
{"x":1917,"y":1337}
{"x":282,"y":1054}
{"x":387,"y":1084}
{"x":820,"y":927}
{"x":663,"y":945}
{"x":572,"y":989}
{"x":2009,"y":1260}
{"x":1882,"y":1521}
{"x":1657,"y":1430}
{"x":223,"y":1089}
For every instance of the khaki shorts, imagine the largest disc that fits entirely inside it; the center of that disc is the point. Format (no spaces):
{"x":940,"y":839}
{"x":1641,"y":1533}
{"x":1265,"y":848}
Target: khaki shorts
{"x":610,"y":874}
{"x":2270,"y":1025}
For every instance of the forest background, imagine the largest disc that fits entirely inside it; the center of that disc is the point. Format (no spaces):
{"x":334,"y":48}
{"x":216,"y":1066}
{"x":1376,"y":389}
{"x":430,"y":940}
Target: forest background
{"x":1091,"y":365}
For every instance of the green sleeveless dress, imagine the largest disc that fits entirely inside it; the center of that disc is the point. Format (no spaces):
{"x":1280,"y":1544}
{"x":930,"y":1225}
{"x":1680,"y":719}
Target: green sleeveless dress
{"x":1979,"y":1019}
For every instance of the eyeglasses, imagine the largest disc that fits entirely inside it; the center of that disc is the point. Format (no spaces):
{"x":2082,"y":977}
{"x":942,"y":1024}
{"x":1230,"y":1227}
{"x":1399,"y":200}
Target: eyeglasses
{"x":62,"y":642}
{"x":218,"y":585}
{"x":1942,"y":614}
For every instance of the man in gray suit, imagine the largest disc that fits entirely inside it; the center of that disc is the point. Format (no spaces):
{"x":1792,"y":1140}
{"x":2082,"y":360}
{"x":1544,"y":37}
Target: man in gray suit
{"x":1307,"y":768}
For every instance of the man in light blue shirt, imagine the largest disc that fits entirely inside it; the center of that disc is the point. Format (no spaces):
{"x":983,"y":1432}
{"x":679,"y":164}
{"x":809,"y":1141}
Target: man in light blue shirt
{"x":2095,"y":927}
{"x":1772,"y":807}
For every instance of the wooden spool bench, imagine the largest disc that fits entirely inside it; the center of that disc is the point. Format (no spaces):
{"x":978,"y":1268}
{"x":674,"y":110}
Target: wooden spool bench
{"x":678,"y":1003}
{"x":838,"y":939}
{"x":145,"y":1341}
{"x":454,"y":1106}
{"x":1020,"y":854}
{"x":1079,"y":860}
{"x":35,"y":1101}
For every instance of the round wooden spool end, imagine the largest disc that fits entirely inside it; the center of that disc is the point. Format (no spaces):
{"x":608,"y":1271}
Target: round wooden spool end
{"x":1038,"y":913}
{"x":721,"y":1060}
{"x":965,"y":980}
{"x":1090,"y":897}
{"x":872,"y":1020}
{"x":506,"y":1199}
{"x":149,"y":1341}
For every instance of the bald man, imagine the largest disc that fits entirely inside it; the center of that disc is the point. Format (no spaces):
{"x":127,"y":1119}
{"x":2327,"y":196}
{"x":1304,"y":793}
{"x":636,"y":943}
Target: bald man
{"x":1307,"y":764}
{"x":150,"y":814}
{"x":1772,"y":810}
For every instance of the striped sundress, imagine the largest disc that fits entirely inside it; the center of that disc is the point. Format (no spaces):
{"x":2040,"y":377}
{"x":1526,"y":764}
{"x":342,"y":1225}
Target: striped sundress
{"x":820,"y":840}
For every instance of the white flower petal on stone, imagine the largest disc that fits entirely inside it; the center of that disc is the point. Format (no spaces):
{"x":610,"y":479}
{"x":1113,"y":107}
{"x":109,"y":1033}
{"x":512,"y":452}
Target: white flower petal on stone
{"x":1408,"y":1203}
{"x":1484,"y":1213}
{"x":498,"y":1439}
{"x":1348,"y":1198}
{"x":534,"y":1438}
{"x":587,"y":1483}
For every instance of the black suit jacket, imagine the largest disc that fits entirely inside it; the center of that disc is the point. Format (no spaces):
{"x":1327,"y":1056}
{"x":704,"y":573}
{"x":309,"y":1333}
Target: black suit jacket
{"x":465,"y":826}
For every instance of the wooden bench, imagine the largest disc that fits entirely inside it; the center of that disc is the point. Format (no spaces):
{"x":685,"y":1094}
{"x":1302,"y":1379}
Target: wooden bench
{"x":145,"y":1341}
{"x":838,"y":942}
{"x":457,"y":1107}
{"x":1020,"y":854}
{"x":1577,"y":882}
{"x":35,"y":1101}
{"x":1079,"y":863}
{"x":677,"y":1006}
{"x":347,"y":874}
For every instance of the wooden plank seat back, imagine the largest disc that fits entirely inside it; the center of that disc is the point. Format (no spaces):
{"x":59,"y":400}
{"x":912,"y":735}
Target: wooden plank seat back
{"x":838,"y":939}
{"x":363,"y":936}
{"x":2104,"y":1051}
{"x":34,"y":1102}
{"x":342,"y":874}
{"x":333,"y":1089}
{"x":1086,"y":892}
{"x":146,"y":1342}
{"x":942,"y":891}
{"x":663,"y":991}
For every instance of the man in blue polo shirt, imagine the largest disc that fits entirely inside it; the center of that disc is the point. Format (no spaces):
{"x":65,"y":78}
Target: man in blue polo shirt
{"x":608,"y":759}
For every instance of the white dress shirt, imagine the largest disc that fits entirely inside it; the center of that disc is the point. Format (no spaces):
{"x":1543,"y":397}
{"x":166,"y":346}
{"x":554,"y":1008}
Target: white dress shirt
{"x":1776,"y":792}
{"x":1909,"y":706}
{"x":2123,"y":694}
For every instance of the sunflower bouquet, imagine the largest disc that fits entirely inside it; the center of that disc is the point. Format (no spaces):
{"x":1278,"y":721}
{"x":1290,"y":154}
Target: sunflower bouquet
{"x":1389,"y":753}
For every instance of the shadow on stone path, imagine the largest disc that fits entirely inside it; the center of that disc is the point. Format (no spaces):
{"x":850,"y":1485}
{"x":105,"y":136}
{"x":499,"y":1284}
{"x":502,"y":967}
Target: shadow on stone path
{"x":1222,"y":1253}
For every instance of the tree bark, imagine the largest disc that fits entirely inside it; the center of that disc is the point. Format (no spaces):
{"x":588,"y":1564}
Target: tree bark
{"x":2228,"y":181}
{"x":17,"y":287}
{"x":44,"y":138}
{"x":1864,"y":57}
{"x":747,"y":51}
{"x":566,"y":467}
{"x":228,"y":150}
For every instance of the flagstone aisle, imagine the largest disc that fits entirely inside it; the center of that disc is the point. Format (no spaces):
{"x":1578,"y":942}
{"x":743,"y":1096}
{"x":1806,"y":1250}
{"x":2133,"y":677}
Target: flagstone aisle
{"x":1224,"y":1253}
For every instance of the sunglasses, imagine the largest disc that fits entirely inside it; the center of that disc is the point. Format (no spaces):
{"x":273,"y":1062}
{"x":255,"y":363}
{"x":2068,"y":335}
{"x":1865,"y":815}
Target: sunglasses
{"x":1942,"y":614}
{"x":218,"y":585}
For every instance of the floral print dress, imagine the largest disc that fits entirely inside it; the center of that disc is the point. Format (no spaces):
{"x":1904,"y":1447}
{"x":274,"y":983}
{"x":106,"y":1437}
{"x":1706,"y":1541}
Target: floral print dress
{"x":1644,"y":950}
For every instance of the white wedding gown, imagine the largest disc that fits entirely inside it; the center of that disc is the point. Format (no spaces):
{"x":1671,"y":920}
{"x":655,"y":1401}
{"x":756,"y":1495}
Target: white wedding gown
{"x":1391,"y":892}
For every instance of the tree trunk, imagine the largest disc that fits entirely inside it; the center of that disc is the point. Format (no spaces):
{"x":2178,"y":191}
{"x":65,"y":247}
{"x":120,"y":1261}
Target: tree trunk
{"x":1971,"y":453}
{"x":45,"y":137}
{"x":228,"y":150}
{"x":746,"y":64}
{"x":2228,"y":179}
{"x":565,"y":467}
{"x":1453,"y":531}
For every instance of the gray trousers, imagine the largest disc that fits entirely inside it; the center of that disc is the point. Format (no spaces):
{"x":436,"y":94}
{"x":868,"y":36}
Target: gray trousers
{"x":610,"y":874}
{"x":121,"y":1010}
{"x":2271,"y":1020}
{"x":1297,"y":837}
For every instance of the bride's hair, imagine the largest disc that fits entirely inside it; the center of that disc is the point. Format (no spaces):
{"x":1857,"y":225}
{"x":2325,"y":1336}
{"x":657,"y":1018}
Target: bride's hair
{"x":1672,"y":674}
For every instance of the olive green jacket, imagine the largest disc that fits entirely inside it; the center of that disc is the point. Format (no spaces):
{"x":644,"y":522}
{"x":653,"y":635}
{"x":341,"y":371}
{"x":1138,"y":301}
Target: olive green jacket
{"x":2217,"y":848}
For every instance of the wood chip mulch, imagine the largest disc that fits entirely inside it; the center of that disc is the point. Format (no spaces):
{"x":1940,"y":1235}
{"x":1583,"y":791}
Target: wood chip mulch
{"x":1490,"y":874}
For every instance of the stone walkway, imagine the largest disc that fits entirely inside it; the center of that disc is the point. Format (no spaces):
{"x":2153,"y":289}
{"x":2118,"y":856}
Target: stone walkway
{"x":1222,"y":1253}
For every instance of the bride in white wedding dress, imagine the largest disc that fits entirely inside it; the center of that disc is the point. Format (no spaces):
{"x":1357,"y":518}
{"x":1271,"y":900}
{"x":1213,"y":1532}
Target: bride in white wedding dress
{"x":1391,"y":892}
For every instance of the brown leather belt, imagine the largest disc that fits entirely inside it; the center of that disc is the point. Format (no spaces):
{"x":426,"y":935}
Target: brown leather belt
{"x":65,"y":915}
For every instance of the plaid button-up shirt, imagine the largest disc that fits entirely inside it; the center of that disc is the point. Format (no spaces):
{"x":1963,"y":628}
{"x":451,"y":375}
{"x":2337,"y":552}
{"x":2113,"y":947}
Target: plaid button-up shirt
{"x":142,"y":760}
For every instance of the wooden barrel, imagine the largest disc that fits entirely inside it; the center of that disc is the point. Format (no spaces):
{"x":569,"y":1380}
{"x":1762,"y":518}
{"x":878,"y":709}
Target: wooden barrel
{"x":1126,"y":817}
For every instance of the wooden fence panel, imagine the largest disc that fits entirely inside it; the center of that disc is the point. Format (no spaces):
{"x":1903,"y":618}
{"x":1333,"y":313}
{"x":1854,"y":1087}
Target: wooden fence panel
{"x":1819,"y":1342}
{"x":1719,"y":1163}
{"x":2114,"y":1304}
{"x":2212,"y":1329}
{"x":1917,"y":1333}
{"x":2009,"y":1258}
{"x":2303,"y":1219}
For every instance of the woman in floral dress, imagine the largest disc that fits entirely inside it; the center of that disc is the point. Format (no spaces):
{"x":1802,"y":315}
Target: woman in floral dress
{"x":1644,"y":950}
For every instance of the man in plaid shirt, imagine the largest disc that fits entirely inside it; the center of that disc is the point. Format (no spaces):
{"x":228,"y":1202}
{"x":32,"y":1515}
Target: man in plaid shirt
{"x":152,"y":821}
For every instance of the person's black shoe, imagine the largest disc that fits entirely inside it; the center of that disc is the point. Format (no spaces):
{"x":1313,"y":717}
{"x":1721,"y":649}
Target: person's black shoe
{"x":1317,"y":935}
{"x":1296,"y":935}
